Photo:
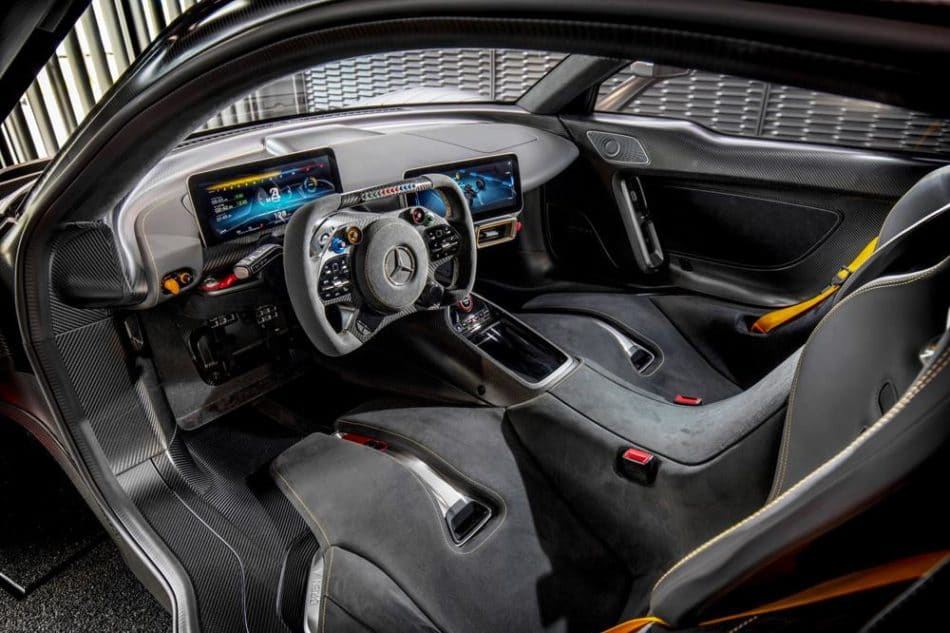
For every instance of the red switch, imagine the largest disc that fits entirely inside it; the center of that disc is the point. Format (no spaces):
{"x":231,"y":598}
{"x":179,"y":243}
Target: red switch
{"x":638,"y":465}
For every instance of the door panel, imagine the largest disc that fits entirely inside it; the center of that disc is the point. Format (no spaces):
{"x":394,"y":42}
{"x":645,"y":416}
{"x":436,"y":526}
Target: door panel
{"x":734,"y":228}
{"x":748,"y":220}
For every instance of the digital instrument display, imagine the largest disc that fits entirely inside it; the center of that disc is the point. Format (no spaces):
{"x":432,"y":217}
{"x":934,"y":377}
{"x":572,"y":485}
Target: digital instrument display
{"x":236,"y":201}
{"x":492,"y":187}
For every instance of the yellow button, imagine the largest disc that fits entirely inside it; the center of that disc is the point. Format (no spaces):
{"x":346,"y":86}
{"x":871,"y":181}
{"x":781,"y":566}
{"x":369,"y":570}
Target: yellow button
{"x":171,"y":285}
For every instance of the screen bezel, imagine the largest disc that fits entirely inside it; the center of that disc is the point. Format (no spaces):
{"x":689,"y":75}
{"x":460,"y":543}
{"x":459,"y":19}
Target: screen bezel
{"x":480,"y":216}
{"x":203,"y":211}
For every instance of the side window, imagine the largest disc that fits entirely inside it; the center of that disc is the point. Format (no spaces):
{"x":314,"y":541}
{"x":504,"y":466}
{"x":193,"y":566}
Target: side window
{"x":744,"y":107}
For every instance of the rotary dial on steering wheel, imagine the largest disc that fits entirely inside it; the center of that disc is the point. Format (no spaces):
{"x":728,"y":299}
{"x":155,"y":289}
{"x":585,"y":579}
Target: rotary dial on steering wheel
{"x":351,"y":273}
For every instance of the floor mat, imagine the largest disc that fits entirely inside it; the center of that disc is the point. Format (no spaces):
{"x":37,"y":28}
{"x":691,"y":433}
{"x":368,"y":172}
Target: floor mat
{"x":58,"y":570}
{"x":97,"y":592}
{"x":44,"y":523}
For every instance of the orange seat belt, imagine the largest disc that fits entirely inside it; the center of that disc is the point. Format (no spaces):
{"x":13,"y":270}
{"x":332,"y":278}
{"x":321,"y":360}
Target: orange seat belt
{"x":771,"y":320}
{"x":903,"y":570}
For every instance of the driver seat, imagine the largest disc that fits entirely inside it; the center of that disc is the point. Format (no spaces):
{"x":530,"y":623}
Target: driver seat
{"x":867,"y":414}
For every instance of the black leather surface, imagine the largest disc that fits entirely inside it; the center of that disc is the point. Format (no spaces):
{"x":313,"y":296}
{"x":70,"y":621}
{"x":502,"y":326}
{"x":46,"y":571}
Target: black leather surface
{"x":932,"y":192}
{"x":681,"y":370}
{"x":736,"y":228}
{"x":533,"y":568}
{"x":857,"y":362}
{"x":870,"y":339}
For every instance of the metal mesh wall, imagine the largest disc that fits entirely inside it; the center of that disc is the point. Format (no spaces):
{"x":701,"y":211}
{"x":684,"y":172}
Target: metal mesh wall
{"x":753,"y":108}
{"x":487,"y":74}
{"x":112,"y":33}
{"x":109,"y":35}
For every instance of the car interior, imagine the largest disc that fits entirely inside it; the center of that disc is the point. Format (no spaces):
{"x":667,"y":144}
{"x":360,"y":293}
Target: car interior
{"x":539,"y":365}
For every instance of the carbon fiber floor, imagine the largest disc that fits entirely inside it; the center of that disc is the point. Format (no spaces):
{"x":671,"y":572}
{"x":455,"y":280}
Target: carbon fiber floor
{"x":211,"y":499}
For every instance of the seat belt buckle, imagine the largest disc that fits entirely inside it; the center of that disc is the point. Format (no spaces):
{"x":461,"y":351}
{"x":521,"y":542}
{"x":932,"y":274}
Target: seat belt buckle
{"x":841,"y":276}
{"x":688,"y":401}
{"x":638,"y":465}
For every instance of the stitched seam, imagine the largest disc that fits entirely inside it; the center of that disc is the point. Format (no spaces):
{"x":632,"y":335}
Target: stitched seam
{"x":498,"y":498}
{"x":911,"y":393}
{"x":919,"y":385}
{"x":786,"y":440}
{"x":300,"y":501}
{"x":743,"y":624}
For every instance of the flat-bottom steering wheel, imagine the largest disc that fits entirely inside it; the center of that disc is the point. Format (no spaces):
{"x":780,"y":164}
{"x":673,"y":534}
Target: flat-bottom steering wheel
{"x":351,"y":273}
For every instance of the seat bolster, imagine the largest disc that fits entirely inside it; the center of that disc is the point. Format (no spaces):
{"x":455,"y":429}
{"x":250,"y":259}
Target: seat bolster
{"x":532,"y":567}
{"x":911,"y":433}
{"x":366,"y":595}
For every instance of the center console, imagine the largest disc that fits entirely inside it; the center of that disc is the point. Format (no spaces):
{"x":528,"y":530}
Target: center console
{"x":517,"y":349}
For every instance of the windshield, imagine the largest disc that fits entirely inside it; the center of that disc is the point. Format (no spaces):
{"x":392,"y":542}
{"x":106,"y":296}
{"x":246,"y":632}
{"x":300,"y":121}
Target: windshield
{"x":412,"y":77}
{"x":109,"y":36}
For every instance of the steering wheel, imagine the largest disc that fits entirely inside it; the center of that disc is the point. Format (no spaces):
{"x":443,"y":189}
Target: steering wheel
{"x":351,"y":273}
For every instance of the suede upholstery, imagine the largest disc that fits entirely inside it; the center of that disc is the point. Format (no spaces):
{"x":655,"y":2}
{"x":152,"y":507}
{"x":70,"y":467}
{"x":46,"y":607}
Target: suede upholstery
{"x":533,"y":567}
{"x":570,"y":320}
{"x":689,"y":435}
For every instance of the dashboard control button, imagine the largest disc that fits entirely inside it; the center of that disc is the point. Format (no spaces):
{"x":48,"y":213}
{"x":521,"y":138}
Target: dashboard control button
{"x":443,"y":241}
{"x":334,"y":279}
{"x":338,"y":245}
{"x":171,"y":285}
{"x":431,"y":295}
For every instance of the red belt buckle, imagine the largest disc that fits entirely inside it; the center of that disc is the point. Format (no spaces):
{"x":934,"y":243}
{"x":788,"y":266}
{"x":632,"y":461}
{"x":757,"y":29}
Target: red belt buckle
{"x":638,"y":465}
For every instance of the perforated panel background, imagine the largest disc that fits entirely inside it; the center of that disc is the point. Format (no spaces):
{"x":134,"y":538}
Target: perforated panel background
{"x":488,"y":74}
{"x":745,"y":107}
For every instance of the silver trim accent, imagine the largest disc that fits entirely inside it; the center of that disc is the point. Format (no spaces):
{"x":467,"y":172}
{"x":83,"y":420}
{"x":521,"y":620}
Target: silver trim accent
{"x":446,"y":495}
{"x":313,"y":611}
{"x":626,"y":343}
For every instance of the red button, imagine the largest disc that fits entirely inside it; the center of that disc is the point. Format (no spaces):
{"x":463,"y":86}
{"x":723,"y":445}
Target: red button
{"x":689,"y":401}
{"x":637,"y":456}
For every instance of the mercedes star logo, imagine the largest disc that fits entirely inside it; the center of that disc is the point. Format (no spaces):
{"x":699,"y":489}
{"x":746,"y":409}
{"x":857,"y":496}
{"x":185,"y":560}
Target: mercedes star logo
{"x":400,"y":265}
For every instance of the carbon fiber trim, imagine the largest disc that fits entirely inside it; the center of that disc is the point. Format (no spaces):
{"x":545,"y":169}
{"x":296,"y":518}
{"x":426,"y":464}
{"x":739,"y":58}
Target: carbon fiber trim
{"x":84,"y":261}
{"x":246,"y":549}
{"x":684,"y":147}
{"x":105,"y":380}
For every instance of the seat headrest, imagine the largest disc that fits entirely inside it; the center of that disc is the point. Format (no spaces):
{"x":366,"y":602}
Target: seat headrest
{"x":929,"y":194}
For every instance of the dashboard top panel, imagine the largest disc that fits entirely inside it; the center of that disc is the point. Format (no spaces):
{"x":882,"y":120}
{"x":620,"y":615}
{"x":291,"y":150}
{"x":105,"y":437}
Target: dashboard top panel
{"x":157,"y":224}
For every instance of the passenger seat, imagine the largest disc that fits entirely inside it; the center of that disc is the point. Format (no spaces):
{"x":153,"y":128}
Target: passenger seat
{"x":705,"y":352}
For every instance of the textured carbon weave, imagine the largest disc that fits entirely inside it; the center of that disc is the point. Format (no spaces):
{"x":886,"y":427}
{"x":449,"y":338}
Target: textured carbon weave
{"x":200,"y":551}
{"x":675,"y":145}
{"x":104,"y":380}
{"x":83,"y":256}
{"x":250,"y":572}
